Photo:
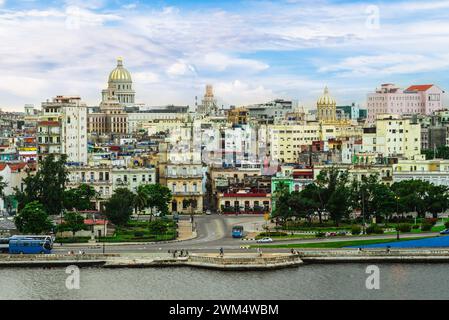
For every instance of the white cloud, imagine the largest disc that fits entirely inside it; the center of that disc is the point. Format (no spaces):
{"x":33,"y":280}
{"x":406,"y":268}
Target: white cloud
{"x":180,"y":68}
{"x":221,"y":62}
{"x":387,"y":64}
{"x":172,"y":52}
{"x":242,"y":92}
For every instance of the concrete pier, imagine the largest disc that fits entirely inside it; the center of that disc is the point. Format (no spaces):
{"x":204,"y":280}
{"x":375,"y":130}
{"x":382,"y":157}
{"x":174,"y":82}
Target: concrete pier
{"x":210,"y":261}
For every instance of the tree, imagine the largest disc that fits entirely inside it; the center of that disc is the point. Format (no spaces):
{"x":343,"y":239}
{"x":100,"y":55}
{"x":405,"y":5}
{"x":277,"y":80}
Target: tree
{"x":338,"y":204}
{"x":159,"y":197}
{"x":437,"y":199}
{"x":141,"y":199}
{"x":120,"y":206}
{"x":47,"y":186}
{"x":281,"y":197}
{"x":301,"y":206}
{"x":74,"y":222}
{"x":383,"y":202}
{"x":311,"y":198}
{"x":33,"y":219}
{"x":328,"y":181}
{"x":441,"y":152}
{"x":79,"y":198}
{"x":412,"y":195}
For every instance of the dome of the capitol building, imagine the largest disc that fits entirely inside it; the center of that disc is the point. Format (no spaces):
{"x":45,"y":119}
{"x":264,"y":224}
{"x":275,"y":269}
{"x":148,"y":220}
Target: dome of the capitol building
{"x":120,"y":86}
{"x":326,"y":99}
{"x":120,"y":74}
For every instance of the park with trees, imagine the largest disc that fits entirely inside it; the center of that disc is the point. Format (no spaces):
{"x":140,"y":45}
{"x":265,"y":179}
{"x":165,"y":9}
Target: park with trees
{"x":404,"y":205}
{"x":45,"y":195}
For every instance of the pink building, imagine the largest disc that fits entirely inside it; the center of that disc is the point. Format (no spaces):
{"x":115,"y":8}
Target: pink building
{"x":421,"y":99}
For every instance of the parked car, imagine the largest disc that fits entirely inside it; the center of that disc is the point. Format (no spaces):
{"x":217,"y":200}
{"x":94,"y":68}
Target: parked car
{"x":331,"y":234}
{"x":208,"y":212}
{"x":342,"y":233}
{"x":265,"y":240}
{"x":445,"y":231}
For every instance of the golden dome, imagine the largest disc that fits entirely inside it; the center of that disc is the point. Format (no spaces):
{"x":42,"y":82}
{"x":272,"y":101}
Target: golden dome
{"x":326,"y":99}
{"x":120,"y":74}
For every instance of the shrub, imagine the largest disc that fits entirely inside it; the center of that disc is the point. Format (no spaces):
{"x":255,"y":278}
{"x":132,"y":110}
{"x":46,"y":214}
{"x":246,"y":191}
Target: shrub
{"x":404,"y":227}
{"x":415,"y":226}
{"x":426,"y":226}
{"x":431,"y":221}
{"x":374,"y":228}
{"x":356,"y":229}
{"x":446,"y":225}
{"x":320,"y":234}
{"x":273,"y":234}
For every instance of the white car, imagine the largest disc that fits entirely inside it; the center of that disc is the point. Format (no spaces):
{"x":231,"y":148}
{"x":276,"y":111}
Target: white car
{"x":208,"y":212}
{"x":265,"y":240}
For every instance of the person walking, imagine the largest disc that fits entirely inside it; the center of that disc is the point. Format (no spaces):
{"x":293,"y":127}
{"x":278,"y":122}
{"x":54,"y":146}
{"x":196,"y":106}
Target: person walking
{"x":221,"y":252}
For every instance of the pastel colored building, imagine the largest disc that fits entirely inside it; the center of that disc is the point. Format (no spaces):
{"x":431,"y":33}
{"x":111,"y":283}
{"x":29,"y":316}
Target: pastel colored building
{"x":393,"y":136}
{"x":416,"y":99}
{"x":434,"y":171}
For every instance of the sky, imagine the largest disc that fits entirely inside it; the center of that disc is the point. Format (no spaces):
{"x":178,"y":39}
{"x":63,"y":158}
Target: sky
{"x":251,"y":51}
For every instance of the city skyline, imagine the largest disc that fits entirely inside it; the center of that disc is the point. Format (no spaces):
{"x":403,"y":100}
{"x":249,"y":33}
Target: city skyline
{"x":177,"y":47}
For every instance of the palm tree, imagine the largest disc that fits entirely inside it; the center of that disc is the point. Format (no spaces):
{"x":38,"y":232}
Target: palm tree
{"x":140,"y":199}
{"x":3,"y":186}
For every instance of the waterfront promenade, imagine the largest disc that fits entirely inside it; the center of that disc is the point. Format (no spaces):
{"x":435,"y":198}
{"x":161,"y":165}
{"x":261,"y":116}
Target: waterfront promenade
{"x":231,"y":261}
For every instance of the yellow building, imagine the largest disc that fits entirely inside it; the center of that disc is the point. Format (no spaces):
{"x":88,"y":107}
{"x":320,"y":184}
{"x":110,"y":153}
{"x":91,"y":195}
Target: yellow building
{"x":385,"y":172}
{"x":238,"y":116}
{"x":285,"y":141}
{"x":184,"y":178}
{"x":393,"y":136}
{"x":435,"y":171}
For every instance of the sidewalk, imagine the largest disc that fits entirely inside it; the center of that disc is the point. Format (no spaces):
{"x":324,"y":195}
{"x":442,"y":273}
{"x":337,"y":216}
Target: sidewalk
{"x":185,"y":230}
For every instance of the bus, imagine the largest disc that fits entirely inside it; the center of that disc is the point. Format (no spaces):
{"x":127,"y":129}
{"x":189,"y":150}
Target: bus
{"x":30,"y":244}
{"x":4,"y":245}
{"x":237,"y":232}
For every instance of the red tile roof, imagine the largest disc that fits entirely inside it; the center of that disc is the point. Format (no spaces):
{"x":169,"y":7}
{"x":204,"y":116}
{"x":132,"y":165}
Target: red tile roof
{"x":423,"y":87}
{"x":14,"y":166}
{"x":96,"y":222}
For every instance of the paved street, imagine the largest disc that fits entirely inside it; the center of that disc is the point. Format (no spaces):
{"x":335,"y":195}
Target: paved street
{"x":213,"y":233}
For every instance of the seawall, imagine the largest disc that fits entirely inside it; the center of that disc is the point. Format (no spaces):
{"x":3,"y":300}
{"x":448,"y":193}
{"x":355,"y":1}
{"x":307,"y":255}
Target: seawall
{"x":374,"y":255}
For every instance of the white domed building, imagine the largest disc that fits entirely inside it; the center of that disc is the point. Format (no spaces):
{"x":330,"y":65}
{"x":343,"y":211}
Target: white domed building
{"x":120,"y":86}
{"x":326,"y":107}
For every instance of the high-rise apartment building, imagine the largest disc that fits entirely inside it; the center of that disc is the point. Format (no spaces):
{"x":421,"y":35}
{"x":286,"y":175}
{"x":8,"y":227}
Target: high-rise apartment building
{"x":62,"y":129}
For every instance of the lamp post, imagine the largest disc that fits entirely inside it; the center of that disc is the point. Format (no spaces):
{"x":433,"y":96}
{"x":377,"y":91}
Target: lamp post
{"x":397,"y":214}
{"x":104,"y":235}
{"x":363,"y":212}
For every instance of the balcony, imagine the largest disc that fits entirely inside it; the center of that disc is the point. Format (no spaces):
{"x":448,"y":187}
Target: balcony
{"x":97,"y":182}
{"x":187,"y":193}
{"x":185,"y":176}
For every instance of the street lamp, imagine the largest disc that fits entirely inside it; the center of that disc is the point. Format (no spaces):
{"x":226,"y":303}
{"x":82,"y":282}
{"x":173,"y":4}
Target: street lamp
{"x":397,"y":214}
{"x":104,"y":235}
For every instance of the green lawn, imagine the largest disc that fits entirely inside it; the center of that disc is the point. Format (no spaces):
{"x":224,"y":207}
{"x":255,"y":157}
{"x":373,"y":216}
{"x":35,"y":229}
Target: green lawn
{"x":289,"y":237}
{"x":339,"y":244}
{"x":134,"y":231}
